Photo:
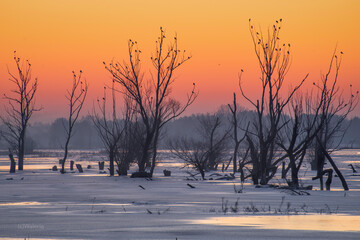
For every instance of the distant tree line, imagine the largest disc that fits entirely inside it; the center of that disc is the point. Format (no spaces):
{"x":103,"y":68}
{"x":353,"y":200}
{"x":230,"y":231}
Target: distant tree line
{"x":52,"y":135}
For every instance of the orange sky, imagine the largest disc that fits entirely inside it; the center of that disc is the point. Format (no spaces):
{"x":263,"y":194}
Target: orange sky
{"x":61,"y":36}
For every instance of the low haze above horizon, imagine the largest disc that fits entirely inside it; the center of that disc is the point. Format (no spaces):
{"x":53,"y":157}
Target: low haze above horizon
{"x":58,"y":37}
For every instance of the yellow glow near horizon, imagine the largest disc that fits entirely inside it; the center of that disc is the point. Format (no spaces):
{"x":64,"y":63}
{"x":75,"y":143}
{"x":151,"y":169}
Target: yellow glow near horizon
{"x":311,"y":222}
{"x":61,"y":36}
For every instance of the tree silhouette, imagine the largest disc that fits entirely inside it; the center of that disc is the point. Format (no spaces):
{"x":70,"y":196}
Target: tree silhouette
{"x":116,"y":134}
{"x":303,"y":122}
{"x":333,"y":113}
{"x":152,"y":95}
{"x":207,"y":151}
{"x":237,"y":141}
{"x":274,"y":62}
{"x":21,"y":106}
{"x":76,"y":98}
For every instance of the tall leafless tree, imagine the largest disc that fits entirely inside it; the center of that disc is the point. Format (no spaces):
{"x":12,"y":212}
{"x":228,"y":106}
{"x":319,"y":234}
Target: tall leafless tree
{"x":302,"y":125}
{"x":21,"y":106}
{"x":152,"y":95}
{"x":237,"y":141}
{"x":116,"y":133}
{"x":274,"y":62}
{"x":76,"y":99}
{"x":109,"y":130}
{"x":320,"y":125}
{"x":334,"y":111}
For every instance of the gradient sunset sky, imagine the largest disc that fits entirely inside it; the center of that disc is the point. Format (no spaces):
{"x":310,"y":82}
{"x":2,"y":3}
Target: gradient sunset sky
{"x":60,"y":36}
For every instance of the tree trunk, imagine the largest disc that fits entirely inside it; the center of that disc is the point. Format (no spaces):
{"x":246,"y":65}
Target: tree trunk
{"x":255,"y":173}
{"x":235,"y":157}
{"x":145,"y":153}
{"x":283,"y":171}
{"x":241,"y":170}
{"x":255,"y":162}
{"x":294,"y":172}
{"x":154,"y":152}
{"x":111,"y":161}
{"x":263,"y":167}
{"x":255,"y":178}
{"x":122,"y":168}
{"x":202,"y":173}
{"x":263,"y":178}
{"x":321,"y":182}
{"x":21,"y":153}
{"x":318,"y":163}
{"x":101,"y":165}
{"x":21,"y":161}
{"x":143,"y":160}
{"x":65,"y":154}
{"x":329,"y":180}
{"x":79,"y":168}
{"x":12,"y":163}
{"x":342,"y":179}
{"x":294,"y":177}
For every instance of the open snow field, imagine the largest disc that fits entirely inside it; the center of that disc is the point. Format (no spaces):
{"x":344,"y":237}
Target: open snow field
{"x":38,"y":203}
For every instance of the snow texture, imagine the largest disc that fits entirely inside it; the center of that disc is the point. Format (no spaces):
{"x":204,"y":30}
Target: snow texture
{"x":38,"y":203}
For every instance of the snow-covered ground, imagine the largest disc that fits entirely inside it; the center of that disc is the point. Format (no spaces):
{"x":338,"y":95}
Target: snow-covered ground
{"x":38,"y":203}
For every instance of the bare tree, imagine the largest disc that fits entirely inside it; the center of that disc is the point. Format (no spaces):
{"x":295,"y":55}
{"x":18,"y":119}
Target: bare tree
{"x":244,"y":157}
{"x":254,"y":158}
{"x":320,"y":125}
{"x":76,"y":97}
{"x":152,"y":95}
{"x":21,"y":106}
{"x":235,"y":127}
{"x":116,"y":133}
{"x":334,"y":111}
{"x":109,"y":130}
{"x":192,"y":152}
{"x":206,"y":152}
{"x":274,"y":62}
{"x":214,"y":139}
{"x":302,"y":125}
{"x":128,"y":146}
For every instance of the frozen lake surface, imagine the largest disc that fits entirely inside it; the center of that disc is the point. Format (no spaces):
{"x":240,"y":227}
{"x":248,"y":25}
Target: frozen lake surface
{"x":38,"y":203}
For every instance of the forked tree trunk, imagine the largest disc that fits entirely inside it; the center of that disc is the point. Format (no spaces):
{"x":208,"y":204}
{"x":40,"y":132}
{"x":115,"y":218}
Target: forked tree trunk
{"x":342,"y":179}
